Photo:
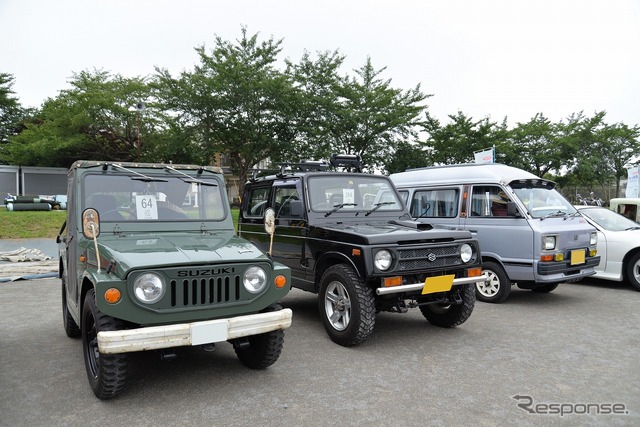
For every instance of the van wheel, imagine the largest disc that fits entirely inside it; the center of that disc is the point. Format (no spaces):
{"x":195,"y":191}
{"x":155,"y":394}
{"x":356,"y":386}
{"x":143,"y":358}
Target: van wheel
{"x":70,"y":326}
{"x":545,"y":288}
{"x":263,"y":349}
{"x":106,"y":372}
{"x":347,"y":306}
{"x":496,"y":289}
{"x":633,"y":271}
{"x":450,"y":315}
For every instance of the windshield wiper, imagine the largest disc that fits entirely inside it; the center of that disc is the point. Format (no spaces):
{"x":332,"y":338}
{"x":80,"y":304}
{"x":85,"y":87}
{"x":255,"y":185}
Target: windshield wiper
{"x":190,"y":179}
{"x":340,"y":206}
{"x":378,"y":206}
{"x":425,"y":212}
{"x":139,"y":177}
{"x":553,"y":214}
{"x":635,"y":227}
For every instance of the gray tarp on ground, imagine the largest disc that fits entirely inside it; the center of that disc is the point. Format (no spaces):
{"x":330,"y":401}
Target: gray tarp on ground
{"x":24,"y":263}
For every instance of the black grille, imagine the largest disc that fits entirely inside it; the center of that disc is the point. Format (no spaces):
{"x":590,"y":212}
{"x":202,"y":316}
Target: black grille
{"x":425,"y":258}
{"x":204,"y":291}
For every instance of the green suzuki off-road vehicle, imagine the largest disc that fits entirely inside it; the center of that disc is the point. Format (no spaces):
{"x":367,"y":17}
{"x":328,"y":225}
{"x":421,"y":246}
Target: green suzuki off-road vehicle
{"x":149,"y":260}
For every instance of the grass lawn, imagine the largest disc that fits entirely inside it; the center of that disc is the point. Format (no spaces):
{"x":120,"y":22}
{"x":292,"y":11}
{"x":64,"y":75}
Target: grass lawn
{"x":42,"y":224}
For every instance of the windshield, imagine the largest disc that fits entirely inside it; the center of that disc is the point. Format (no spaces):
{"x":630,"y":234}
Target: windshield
{"x":544,"y":202}
{"x":339,"y":193}
{"x":164,"y":197}
{"x":609,"y":220}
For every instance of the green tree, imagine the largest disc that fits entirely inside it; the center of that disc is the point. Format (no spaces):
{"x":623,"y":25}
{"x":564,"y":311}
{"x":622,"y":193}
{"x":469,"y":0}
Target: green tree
{"x":602,"y":150}
{"x":456,"y":141}
{"x":535,"y":146}
{"x":10,"y":111}
{"x":92,"y":120}
{"x":361,"y":114}
{"x":406,"y":156}
{"x":235,"y":102}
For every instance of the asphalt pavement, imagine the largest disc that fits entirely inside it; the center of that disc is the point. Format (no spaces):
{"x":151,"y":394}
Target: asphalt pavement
{"x":517,"y":363}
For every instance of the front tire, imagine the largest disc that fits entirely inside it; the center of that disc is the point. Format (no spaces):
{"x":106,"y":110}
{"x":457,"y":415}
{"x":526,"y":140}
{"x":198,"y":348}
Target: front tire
{"x":497,"y":288}
{"x":106,"y":372}
{"x":633,"y":271}
{"x":347,"y":306}
{"x":263,"y":349}
{"x":450,"y":315}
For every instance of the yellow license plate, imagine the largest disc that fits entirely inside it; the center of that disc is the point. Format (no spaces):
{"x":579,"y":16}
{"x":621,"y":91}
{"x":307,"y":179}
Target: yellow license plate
{"x":438,"y":284}
{"x":578,"y":257}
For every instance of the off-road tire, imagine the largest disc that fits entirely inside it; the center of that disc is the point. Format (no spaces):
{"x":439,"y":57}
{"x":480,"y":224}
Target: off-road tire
{"x":70,"y":326}
{"x":106,"y":372}
{"x":632,"y":271}
{"x":264,"y":349}
{"x":347,"y":306}
{"x":448,"y":316}
{"x":497,"y":288}
{"x":544,"y":289}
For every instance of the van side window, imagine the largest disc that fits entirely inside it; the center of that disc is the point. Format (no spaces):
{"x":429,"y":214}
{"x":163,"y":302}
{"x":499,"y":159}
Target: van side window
{"x":442,"y":203}
{"x":257,"y":202}
{"x":489,"y":200}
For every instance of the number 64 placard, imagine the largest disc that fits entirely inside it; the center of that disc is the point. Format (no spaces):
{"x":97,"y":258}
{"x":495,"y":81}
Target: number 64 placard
{"x":146,"y":207}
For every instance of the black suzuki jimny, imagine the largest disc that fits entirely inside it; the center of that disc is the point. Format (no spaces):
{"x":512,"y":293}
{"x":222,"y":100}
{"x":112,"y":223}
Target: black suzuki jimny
{"x":348,"y":237}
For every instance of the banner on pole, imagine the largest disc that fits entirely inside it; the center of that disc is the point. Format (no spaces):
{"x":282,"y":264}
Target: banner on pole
{"x":632,"y":182}
{"x":485,"y":156}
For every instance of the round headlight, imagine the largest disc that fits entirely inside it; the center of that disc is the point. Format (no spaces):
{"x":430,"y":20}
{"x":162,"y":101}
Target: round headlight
{"x":148,"y":288}
{"x":466,"y":252}
{"x":255,"y":279}
{"x":382,"y":260}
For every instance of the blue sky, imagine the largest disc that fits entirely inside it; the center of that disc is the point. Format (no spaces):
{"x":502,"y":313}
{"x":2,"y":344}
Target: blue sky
{"x":492,"y":58}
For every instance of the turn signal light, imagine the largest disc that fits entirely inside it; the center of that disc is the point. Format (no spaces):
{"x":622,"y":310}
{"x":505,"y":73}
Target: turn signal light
{"x":280,"y":281}
{"x":112,"y":295}
{"x":392,"y":281}
{"x":473,"y":272}
{"x":546,"y":257}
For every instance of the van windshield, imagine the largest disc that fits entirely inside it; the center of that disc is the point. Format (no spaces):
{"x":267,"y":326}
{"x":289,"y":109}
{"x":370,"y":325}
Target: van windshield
{"x":543,"y":202}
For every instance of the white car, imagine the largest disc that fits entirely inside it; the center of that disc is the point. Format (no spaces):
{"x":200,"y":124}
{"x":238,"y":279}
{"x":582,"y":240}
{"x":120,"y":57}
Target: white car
{"x":618,"y":245}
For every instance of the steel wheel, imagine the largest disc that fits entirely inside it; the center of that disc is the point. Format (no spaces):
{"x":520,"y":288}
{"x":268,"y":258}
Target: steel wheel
{"x":495,"y":289}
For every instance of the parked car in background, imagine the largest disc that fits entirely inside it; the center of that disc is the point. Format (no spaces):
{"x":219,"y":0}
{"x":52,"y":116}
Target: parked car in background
{"x":627,"y":206}
{"x":618,"y":245}
{"x":529,"y":234}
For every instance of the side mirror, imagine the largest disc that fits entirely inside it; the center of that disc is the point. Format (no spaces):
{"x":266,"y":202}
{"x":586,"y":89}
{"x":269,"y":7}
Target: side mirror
{"x":296,"y":208}
{"x":90,"y":223}
{"x":512,"y":210}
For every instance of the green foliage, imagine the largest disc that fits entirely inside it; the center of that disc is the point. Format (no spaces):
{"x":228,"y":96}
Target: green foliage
{"x":234,"y":102}
{"x":361,"y":114}
{"x":406,"y":156}
{"x":10,"y":112}
{"x":456,"y":142}
{"x":94,"y":120}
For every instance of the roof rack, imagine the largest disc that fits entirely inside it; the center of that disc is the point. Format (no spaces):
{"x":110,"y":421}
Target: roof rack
{"x":347,"y":161}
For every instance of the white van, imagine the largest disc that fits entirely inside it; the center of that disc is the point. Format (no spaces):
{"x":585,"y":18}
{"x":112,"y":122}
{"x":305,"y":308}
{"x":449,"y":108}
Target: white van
{"x":529,"y":234}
